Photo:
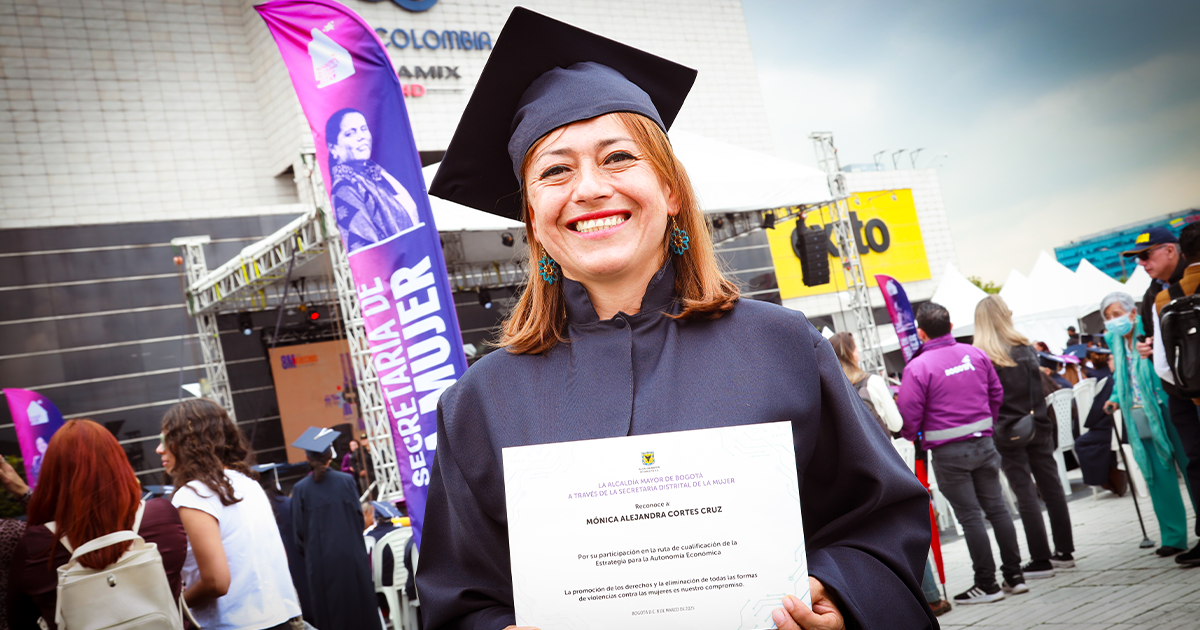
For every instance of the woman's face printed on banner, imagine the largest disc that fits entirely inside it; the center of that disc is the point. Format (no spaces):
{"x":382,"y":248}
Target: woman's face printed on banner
{"x":353,"y":140}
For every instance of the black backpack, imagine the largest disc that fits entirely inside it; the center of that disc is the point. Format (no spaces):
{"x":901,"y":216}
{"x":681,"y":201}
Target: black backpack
{"x":1180,"y":326}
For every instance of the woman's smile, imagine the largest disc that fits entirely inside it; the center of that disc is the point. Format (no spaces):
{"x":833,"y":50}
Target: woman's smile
{"x":596,"y":222}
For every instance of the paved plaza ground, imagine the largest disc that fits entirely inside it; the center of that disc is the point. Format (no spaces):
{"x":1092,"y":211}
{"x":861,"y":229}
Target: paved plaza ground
{"x":1114,"y":584}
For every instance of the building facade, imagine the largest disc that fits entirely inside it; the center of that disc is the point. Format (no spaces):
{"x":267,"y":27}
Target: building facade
{"x":125,"y":124}
{"x":1103,"y":249}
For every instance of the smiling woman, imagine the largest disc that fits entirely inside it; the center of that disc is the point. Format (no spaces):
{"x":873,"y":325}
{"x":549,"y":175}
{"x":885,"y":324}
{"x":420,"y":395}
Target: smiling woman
{"x":606,"y":190}
{"x":628,"y":327}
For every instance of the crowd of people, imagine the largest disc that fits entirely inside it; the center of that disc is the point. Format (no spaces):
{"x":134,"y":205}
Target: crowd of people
{"x":981,"y":411}
{"x":234,"y":553}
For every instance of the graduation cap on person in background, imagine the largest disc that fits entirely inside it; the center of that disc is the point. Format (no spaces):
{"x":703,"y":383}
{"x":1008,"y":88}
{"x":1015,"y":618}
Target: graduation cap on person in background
{"x":543,"y":74}
{"x":385,"y":510}
{"x":1079,"y":350}
{"x":316,"y":440}
{"x":1047,"y":360}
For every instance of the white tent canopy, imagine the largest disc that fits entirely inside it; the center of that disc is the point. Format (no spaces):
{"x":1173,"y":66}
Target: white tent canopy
{"x":727,"y":178}
{"x":959,"y":296}
{"x":1016,"y":291}
{"x":452,"y":217}
{"x":1045,"y":303}
{"x":1138,"y":282}
{"x":1095,"y":284}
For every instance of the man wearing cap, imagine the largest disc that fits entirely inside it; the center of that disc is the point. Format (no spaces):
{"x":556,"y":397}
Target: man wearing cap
{"x":1158,"y":252}
{"x":1189,"y":433}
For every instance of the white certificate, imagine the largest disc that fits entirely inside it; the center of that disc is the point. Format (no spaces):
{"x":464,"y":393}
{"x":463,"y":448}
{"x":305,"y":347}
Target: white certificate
{"x":694,"y":529}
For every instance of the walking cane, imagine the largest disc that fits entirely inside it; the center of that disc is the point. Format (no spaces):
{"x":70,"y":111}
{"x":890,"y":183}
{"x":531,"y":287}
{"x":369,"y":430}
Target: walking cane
{"x":1121,"y":438}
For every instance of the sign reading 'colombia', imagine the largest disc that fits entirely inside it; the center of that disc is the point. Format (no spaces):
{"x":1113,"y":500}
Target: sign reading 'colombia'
{"x":435,"y":40}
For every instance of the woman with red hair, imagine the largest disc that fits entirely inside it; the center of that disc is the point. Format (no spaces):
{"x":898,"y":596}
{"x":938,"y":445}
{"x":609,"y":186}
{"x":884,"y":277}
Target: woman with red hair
{"x":88,"y":489}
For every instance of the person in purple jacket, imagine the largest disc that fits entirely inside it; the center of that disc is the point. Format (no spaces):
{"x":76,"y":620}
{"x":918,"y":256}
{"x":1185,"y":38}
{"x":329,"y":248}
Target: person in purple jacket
{"x":949,"y":398}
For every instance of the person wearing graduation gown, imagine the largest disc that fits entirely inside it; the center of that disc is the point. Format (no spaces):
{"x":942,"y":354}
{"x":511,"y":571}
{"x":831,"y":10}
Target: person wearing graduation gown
{"x":628,"y":327}
{"x":328,"y":526}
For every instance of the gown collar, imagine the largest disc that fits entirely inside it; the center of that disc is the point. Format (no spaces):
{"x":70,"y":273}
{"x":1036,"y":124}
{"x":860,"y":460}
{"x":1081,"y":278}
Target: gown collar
{"x":660,"y":294}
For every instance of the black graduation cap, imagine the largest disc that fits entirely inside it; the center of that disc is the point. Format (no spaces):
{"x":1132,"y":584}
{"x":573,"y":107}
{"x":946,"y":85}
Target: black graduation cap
{"x":1047,"y":360}
{"x":1080,"y":350}
{"x":539,"y":69}
{"x":316,"y":440}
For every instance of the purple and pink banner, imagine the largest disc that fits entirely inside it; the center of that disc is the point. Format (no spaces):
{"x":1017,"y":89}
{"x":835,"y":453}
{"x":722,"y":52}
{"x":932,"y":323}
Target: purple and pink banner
{"x":352,"y":99}
{"x":900,"y":310}
{"x":35,"y":419}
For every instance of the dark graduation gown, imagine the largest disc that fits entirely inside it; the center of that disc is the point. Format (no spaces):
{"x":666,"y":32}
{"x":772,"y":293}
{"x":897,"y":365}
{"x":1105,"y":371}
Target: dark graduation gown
{"x":1094,"y":448}
{"x":328,"y":523}
{"x":866,"y":517}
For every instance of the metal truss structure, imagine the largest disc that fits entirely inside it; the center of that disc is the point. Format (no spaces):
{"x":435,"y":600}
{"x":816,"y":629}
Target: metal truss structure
{"x":733,"y":225}
{"x":216,"y":385}
{"x":869,"y":348}
{"x":369,"y":395}
{"x":256,"y":281}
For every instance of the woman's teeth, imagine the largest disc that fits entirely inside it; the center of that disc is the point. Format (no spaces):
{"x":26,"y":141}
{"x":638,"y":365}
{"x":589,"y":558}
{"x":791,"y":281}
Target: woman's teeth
{"x":593,"y":225}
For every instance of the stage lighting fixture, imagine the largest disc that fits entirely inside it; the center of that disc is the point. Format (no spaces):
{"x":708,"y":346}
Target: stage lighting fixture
{"x":245,"y":324}
{"x":718,"y":223}
{"x":485,"y":297}
{"x":507,"y":239}
{"x":314,"y":315}
{"x":768,"y":222}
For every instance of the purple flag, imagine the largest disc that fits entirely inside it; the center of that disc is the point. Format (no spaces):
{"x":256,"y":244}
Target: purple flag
{"x":35,"y":419}
{"x":352,"y":99}
{"x":901,"y":313}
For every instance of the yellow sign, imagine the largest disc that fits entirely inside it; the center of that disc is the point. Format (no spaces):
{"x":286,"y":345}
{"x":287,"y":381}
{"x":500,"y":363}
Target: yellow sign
{"x":889,"y":242}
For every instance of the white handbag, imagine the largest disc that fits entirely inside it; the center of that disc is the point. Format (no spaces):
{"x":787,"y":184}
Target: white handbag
{"x":131,"y":593}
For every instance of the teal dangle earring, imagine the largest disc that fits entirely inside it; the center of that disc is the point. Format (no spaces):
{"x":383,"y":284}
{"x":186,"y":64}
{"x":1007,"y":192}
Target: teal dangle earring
{"x":679,"y":239}
{"x":548,"y":268}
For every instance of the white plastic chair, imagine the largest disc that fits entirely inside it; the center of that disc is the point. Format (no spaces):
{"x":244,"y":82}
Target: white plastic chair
{"x":1061,"y":402}
{"x":1085,"y":395}
{"x":907,"y":451}
{"x":414,"y":605}
{"x":400,"y":614}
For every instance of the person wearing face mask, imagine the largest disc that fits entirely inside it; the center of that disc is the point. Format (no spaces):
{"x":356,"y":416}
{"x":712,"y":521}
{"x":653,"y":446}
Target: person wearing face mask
{"x":627,"y":326}
{"x":1159,"y":253}
{"x":369,"y":203}
{"x":1138,"y":393}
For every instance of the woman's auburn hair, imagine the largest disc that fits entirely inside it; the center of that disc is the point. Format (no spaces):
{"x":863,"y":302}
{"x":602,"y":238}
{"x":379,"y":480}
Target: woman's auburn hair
{"x":87,"y":487}
{"x":537,"y":322}
{"x":204,"y":442}
{"x":994,"y":331}
{"x":843,"y":346}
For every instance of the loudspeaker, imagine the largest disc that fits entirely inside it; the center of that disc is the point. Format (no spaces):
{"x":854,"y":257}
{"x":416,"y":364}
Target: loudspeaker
{"x":810,"y":247}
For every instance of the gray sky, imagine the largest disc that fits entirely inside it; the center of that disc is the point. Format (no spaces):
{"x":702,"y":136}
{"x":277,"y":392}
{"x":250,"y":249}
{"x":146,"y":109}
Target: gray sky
{"x":1060,"y":118}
